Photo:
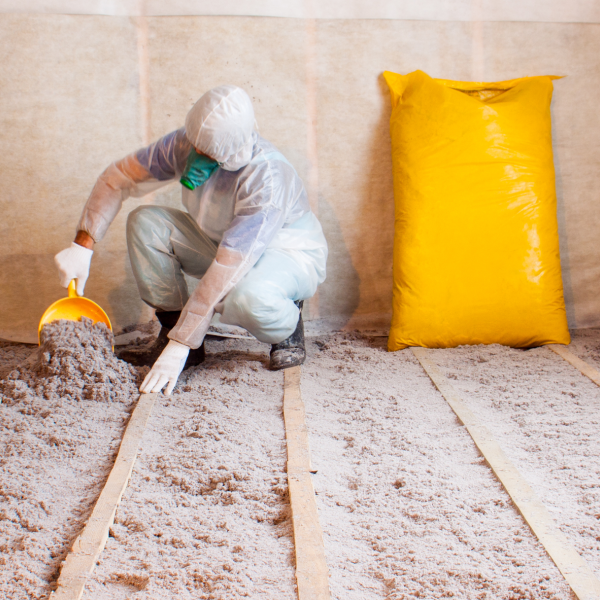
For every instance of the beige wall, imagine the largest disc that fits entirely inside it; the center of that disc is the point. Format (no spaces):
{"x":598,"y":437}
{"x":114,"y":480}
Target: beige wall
{"x":79,"y":91}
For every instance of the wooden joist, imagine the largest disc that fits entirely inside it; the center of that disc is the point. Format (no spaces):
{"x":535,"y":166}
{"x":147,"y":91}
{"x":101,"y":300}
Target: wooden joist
{"x":575,"y":570}
{"x":579,"y":364}
{"x":312,"y":574}
{"x":82,"y":558}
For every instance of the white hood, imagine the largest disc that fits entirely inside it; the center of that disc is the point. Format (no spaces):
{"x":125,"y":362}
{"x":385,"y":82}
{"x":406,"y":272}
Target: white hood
{"x":220,"y":125}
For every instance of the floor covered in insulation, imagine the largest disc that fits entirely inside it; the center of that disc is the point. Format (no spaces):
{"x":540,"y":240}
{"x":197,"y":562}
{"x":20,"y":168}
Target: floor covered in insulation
{"x":408,"y":507}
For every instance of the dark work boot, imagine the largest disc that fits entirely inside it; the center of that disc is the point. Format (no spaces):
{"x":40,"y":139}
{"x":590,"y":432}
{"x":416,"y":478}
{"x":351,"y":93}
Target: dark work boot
{"x":148,"y":356}
{"x":290,"y":352}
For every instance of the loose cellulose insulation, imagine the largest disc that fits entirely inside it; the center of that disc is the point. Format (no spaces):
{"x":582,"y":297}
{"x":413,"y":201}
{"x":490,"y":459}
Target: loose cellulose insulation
{"x":75,"y":360}
{"x":63,"y":410}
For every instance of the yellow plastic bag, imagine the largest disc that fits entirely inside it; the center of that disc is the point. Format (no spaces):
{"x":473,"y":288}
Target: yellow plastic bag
{"x":476,"y":255}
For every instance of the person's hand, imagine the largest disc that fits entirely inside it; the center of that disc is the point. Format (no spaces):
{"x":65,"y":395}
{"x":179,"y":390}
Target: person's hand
{"x":166,"y":369}
{"x":74,"y":263}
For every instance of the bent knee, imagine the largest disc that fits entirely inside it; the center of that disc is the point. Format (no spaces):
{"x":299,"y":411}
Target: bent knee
{"x":144,"y":222}
{"x":266,"y":314}
{"x":139,"y":217}
{"x":259,"y":306}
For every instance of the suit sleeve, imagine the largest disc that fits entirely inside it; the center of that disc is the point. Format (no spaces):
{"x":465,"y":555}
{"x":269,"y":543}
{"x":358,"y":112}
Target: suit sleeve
{"x":136,"y":175}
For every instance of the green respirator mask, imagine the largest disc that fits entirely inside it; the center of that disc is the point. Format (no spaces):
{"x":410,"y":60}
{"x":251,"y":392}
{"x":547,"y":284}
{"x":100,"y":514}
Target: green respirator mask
{"x":198,"y":169}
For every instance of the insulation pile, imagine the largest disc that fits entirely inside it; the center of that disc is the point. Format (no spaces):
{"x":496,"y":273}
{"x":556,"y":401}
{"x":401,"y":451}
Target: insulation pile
{"x":75,"y":361}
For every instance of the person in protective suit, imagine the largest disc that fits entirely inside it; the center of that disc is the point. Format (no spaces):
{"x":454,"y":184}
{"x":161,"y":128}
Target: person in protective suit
{"x":248,"y":235}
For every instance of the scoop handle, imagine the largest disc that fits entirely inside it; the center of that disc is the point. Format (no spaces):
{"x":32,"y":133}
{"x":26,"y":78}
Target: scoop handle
{"x":72,"y":289}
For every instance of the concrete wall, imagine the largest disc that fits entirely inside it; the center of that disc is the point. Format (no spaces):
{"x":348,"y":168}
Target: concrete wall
{"x":79,"y":91}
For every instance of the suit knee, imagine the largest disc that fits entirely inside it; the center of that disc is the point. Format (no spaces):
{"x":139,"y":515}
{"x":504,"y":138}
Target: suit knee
{"x":261,"y":307}
{"x":139,"y":219}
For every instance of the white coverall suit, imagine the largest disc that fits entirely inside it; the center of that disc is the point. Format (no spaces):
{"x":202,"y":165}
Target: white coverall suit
{"x":248,"y":233}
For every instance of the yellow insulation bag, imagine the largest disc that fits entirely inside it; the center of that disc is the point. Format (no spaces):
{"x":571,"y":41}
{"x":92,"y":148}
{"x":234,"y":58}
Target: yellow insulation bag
{"x":476,"y":255}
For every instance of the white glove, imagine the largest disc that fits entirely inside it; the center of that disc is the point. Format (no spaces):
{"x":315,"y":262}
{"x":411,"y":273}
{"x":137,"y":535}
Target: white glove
{"x":74,"y":263}
{"x":166,"y":369}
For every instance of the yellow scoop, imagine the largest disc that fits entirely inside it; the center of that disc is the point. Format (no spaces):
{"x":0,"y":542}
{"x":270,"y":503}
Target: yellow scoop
{"x":73,"y":308}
